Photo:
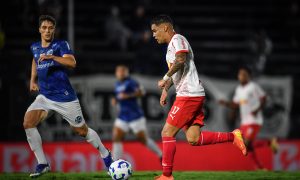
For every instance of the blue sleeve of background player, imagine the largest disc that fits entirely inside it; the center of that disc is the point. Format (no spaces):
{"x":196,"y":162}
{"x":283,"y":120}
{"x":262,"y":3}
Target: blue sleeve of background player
{"x":134,"y":85}
{"x":65,"y":48}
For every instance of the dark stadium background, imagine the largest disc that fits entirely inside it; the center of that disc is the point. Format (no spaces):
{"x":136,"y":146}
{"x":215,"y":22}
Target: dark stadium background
{"x":220,"y":32}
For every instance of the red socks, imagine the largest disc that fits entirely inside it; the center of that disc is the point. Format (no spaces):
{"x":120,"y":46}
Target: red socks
{"x":207,"y":137}
{"x":169,"y":149}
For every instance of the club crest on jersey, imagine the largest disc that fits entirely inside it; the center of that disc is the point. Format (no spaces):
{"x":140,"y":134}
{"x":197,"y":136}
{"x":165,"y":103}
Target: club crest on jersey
{"x":78,"y":119}
{"x":49,"y":52}
{"x":121,"y":88}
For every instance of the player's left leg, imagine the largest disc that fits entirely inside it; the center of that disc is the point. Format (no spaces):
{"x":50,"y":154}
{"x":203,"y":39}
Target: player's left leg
{"x":71,"y":111}
{"x":139,"y":129}
{"x":197,"y":138}
{"x":92,"y":137}
{"x":143,"y":138}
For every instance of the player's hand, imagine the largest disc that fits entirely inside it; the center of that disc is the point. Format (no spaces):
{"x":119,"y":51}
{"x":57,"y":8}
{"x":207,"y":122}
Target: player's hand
{"x":45,"y":57}
{"x":161,"y":83}
{"x":163,"y":98}
{"x":222,"y":102}
{"x":113,"y":101}
{"x":254,"y":113}
{"x":33,"y":86}
{"x":123,"y":96}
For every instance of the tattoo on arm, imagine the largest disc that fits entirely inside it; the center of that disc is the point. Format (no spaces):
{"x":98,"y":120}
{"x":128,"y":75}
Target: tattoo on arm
{"x":178,"y":64}
{"x":168,"y":84}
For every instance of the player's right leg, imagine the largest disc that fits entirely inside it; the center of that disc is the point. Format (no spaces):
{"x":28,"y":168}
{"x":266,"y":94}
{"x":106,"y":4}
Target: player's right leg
{"x":31,"y":120}
{"x":119,"y":132}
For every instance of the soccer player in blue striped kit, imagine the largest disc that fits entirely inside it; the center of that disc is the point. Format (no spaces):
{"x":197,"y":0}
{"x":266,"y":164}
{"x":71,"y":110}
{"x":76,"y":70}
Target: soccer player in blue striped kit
{"x":130,"y":114}
{"x":49,"y":76}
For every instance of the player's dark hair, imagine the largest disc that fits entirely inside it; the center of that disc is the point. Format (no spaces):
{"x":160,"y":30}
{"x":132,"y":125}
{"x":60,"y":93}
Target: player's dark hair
{"x":161,"y":19}
{"x":247,"y":69}
{"x":123,"y":66}
{"x":43,"y":18}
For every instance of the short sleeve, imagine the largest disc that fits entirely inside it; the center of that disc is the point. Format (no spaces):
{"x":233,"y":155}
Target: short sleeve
{"x":180,"y":45}
{"x":65,"y":48}
{"x":236,"y":98}
{"x":31,"y":49}
{"x":134,"y":85}
{"x":259,"y":91}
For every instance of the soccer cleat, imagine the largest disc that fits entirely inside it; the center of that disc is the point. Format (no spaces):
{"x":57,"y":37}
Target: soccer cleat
{"x":274,"y":145}
{"x":163,"y":177}
{"x":239,"y":142}
{"x":108,"y":160}
{"x":40,"y":169}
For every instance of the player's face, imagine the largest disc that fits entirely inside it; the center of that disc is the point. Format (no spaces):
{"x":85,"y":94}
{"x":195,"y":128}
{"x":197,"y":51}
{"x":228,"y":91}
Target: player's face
{"x":47,"y":30}
{"x":243,"y":76}
{"x":121,"y":73}
{"x":159,"y":33}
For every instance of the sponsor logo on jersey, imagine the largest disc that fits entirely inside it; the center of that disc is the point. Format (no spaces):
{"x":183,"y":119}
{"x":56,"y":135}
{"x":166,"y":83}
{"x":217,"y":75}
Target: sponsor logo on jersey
{"x":49,"y":52}
{"x":121,"y":88}
{"x":66,"y":93}
{"x":46,"y":65}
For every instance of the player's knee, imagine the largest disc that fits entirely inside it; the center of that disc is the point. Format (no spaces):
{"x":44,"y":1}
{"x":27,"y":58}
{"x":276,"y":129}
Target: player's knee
{"x":192,"y":140}
{"x":142,"y":140}
{"x":118,"y":135}
{"x":117,"y":138}
{"x":164,"y":133}
{"x":167,"y":133}
{"x":81,"y":131}
{"x":27,"y":123}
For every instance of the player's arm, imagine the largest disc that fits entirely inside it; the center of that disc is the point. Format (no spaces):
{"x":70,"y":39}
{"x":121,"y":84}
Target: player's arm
{"x":168,"y":84}
{"x":67,"y":60}
{"x":136,"y":94}
{"x":113,"y":101}
{"x":33,"y":79}
{"x":262,"y":103}
{"x":229,"y":104}
{"x":164,"y":93}
{"x":180,"y":59}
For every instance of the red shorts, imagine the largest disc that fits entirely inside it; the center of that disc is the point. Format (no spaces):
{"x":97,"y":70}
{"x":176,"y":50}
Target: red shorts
{"x":250,"y":131}
{"x":187,"y":111}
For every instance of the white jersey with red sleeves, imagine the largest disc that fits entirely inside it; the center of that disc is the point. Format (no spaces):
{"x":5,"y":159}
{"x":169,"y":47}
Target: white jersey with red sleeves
{"x":248,"y":97}
{"x":186,"y":80}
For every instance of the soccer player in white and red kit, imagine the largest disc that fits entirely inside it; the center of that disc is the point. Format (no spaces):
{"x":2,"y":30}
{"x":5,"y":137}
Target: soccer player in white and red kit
{"x":186,"y":112}
{"x":250,"y":98}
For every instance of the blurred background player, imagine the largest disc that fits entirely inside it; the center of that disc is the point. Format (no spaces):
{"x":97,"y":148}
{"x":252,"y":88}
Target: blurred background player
{"x":251,"y":99}
{"x":186,"y":112}
{"x":130,"y":115}
{"x":50,"y":64}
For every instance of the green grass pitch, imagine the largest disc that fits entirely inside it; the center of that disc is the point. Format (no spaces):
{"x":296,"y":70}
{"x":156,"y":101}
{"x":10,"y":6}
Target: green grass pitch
{"x":150,"y":174}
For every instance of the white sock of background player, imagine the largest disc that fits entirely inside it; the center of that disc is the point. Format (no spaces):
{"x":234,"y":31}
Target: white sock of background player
{"x":117,"y":150}
{"x":93,"y":138}
{"x":153,"y":147}
{"x":35,"y":142}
